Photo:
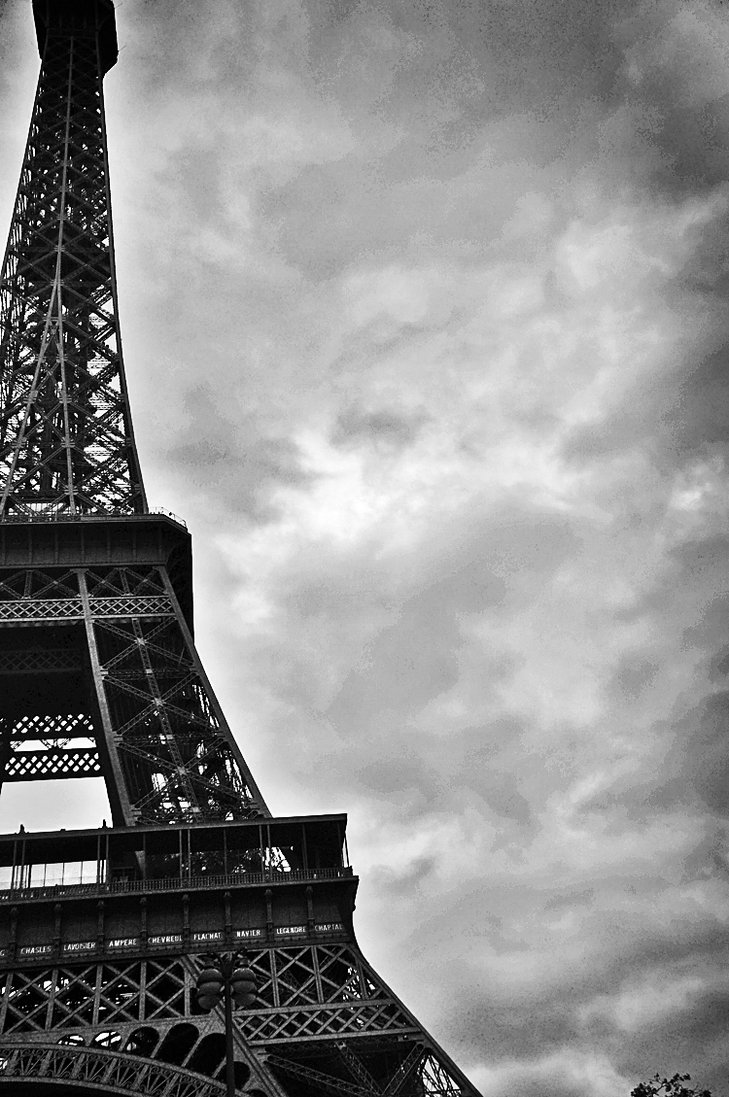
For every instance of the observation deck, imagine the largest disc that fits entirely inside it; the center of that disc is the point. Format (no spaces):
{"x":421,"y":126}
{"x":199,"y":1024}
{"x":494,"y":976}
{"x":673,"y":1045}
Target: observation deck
{"x":173,"y":888}
{"x":156,"y":538}
{"x":78,"y":17}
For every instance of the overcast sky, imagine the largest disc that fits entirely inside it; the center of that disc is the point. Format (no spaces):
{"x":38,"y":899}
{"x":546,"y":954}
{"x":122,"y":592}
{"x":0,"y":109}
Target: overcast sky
{"x":425,"y":316}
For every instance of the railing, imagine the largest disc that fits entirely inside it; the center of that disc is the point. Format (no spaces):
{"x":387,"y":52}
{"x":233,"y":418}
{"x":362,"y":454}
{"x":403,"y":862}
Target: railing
{"x":93,"y":515}
{"x":175,"y":883}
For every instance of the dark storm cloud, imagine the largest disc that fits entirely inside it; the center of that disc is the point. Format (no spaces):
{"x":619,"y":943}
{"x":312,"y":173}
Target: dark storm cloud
{"x":678,"y":408}
{"x":623,"y":86}
{"x":429,"y":88}
{"x":581,"y":1006}
{"x":695,"y":1034}
{"x":699,"y":417}
{"x":473,"y":56}
{"x":700,"y":755}
{"x":380,"y":427}
{"x":224,"y":445}
{"x":678,"y":110}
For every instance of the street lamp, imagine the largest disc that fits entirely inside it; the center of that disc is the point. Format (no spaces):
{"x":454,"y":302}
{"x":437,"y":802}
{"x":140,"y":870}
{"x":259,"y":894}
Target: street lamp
{"x":228,"y":979}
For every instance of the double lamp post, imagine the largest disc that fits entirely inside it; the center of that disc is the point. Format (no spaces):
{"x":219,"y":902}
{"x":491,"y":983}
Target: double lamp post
{"x":228,"y":979}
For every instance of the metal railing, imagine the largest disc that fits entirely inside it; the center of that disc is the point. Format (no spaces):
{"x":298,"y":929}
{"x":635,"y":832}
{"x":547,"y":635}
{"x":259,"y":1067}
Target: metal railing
{"x":175,"y":883}
{"x":93,"y":515}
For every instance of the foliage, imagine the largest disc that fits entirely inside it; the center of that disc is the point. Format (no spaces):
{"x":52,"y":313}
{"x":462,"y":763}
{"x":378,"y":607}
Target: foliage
{"x":668,"y":1087}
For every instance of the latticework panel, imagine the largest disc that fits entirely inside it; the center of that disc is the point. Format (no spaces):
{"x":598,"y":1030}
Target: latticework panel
{"x":35,"y":584}
{"x":300,"y":990}
{"x":151,"y":719}
{"x":36,"y":748}
{"x":52,"y":764}
{"x":66,"y":442}
{"x":178,"y":756}
{"x":88,"y":995}
{"x":323,"y":1018}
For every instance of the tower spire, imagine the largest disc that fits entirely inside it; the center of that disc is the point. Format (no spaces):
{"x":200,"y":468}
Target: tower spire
{"x":66,"y":438}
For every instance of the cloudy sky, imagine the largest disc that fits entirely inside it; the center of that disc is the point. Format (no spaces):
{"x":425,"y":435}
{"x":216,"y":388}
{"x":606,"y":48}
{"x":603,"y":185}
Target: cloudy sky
{"x":425,"y":318}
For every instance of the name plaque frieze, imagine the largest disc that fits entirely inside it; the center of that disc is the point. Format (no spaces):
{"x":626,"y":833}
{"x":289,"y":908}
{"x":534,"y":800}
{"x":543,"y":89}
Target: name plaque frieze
{"x":36,"y":950}
{"x":166,"y":940}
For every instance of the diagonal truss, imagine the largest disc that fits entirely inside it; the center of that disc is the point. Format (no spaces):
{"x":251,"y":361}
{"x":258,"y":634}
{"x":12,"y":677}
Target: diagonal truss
{"x":66,"y":440}
{"x":319,"y":1042}
{"x":151,"y":724}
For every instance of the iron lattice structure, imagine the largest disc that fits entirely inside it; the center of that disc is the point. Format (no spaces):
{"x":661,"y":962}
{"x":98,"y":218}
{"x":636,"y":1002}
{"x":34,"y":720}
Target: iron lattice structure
{"x":66,"y":441}
{"x":101,"y":930}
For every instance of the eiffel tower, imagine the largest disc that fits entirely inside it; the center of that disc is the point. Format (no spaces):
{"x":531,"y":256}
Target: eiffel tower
{"x":102,"y":932}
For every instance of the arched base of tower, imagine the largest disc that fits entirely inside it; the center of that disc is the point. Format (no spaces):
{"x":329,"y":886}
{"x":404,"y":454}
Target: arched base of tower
{"x":53,"y":1070}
